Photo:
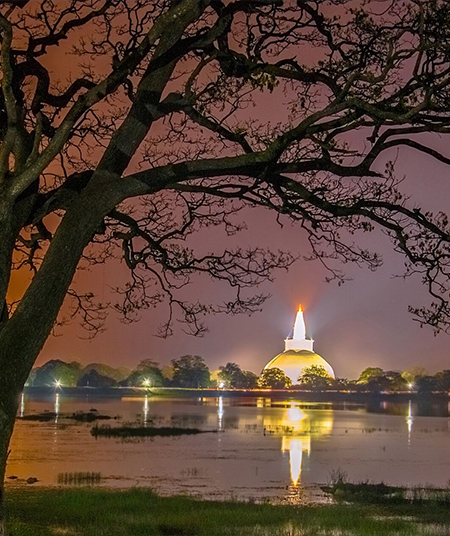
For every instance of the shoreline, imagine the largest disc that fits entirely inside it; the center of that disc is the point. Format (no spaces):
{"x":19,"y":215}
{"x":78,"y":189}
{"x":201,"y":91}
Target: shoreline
{"x":302,"y":495}
{"x":312,"y":396}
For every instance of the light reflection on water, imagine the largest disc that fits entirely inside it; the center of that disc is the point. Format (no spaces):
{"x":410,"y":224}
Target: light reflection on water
{"x":146,"y":410}
{"x":263,"y":449}
{"x":57,"y":406}
{"x":409,"y":422}
{"x":22,"y":405}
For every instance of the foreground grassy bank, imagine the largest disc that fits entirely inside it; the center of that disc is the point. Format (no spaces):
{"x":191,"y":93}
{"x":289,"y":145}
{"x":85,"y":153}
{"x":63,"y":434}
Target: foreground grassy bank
{"x":87,"y":512}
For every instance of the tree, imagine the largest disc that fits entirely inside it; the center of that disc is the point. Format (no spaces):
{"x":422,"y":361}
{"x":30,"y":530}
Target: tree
{"x":249,"y":380}
{"x":152,"y":139}
{"x":167,"y":373}
{"x":274,"y":378}
{"x":413,"y":373}
{"x":396,"y":381}
{"x":377,"y":380}
{"x":190,"y":371}
{"x":443,"y":380}
{"x":369,"y":374}
{"x":344,"y":384}
{"x":146,"y":374}
{"x":57,"y":373}
{"x":232,"y":376}
{"x":378,"y":384}
{"x":117,"y":374}
{"x":92,"y":378}
{"x":427,"y":384}
{"x":315,"y":377}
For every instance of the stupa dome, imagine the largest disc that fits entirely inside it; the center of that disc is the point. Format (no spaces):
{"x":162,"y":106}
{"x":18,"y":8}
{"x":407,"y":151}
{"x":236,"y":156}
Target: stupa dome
{"x":293,"y":362}
{"x":298,"y":353}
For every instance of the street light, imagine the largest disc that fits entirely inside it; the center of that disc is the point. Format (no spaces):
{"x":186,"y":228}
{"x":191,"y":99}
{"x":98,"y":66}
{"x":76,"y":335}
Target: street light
{"x":146,"y":383}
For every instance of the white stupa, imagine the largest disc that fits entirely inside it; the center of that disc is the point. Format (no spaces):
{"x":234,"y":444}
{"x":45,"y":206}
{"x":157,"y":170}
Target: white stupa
{"x":299,"y":340}
{"x":298,"y":353}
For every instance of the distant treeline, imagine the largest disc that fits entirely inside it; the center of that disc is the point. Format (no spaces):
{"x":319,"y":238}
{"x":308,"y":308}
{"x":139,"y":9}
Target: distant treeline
{"x":191,"y":371}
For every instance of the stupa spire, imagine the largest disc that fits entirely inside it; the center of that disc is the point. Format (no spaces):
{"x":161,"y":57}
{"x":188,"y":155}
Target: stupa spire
{"x":299,"y":340}
{"x":299,"y":326}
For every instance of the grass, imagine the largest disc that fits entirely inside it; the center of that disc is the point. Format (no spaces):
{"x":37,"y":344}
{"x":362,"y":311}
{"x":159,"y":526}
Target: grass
{"x":139,"y":512}
{"x":367,"y":492}
{"x":143,"y":431}
{"x":341,"y":489}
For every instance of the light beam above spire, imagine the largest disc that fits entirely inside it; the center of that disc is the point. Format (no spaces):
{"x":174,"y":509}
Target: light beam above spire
{"x":299,"y":340}
{"x":299,"y":326}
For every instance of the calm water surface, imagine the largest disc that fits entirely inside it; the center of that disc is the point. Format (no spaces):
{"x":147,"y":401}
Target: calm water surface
{"x":264,"y":449}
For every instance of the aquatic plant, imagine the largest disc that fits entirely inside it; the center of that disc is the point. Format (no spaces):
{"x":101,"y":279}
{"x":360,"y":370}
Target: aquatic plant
{"x":79,"y":478}
{"x":143,"y":431}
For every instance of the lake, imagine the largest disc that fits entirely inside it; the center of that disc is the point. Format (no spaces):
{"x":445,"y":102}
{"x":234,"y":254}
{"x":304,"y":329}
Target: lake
{"x":264,"y":448}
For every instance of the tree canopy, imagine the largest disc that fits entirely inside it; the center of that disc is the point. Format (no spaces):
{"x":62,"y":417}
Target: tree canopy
{"x":377,"y":380}
{"x":57,"y":373}
{"x":315,"y":377}
{"x":274,"y":378}
{"x":190,"y":371}
{"x":147,"y":137}
{"x":146,"y":374}
{"x":232,"y":376}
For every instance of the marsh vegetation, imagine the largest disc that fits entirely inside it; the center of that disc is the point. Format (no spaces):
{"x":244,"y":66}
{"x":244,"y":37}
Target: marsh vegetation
{"x":144,"y":431}
{"x":140,"y":512}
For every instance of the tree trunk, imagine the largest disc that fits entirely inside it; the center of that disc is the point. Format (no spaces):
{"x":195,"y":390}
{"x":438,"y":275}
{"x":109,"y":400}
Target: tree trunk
{"x":8,"y":410}
{"x":23,"y":335}
{"x":9,"y":395}
{"x":7,"y":239}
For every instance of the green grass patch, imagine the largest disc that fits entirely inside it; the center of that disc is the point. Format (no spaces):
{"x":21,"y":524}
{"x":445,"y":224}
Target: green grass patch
{"x":379,"y":493}
{"x":139,"y":512}
{"x":366,"y":492}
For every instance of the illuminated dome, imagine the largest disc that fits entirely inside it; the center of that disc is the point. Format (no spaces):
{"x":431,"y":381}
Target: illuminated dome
{"x":298,"y":353}
{"x":293,"y":362}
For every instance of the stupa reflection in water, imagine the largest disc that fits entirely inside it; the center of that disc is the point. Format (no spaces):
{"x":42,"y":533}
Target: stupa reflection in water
{"x":298,"y":427}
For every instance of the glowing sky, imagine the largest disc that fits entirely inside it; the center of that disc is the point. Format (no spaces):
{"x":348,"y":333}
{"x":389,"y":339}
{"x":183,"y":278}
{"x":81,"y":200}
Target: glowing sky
{"x":362,"y":323}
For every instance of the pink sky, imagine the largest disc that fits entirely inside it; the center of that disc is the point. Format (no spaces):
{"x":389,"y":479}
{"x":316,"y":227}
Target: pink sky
{"x":363,"y":323}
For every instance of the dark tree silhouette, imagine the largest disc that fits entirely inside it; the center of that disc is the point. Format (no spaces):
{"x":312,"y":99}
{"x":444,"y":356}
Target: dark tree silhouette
{"x":57,"y":372}
{"x":274,"y":378}
{"x":315,"y":377}
{"x":146,"y":374}
{"x":151,"y":137}
{"x":369,"y":374}
{"x":190,"y":371}
{"x":235,"y":378}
